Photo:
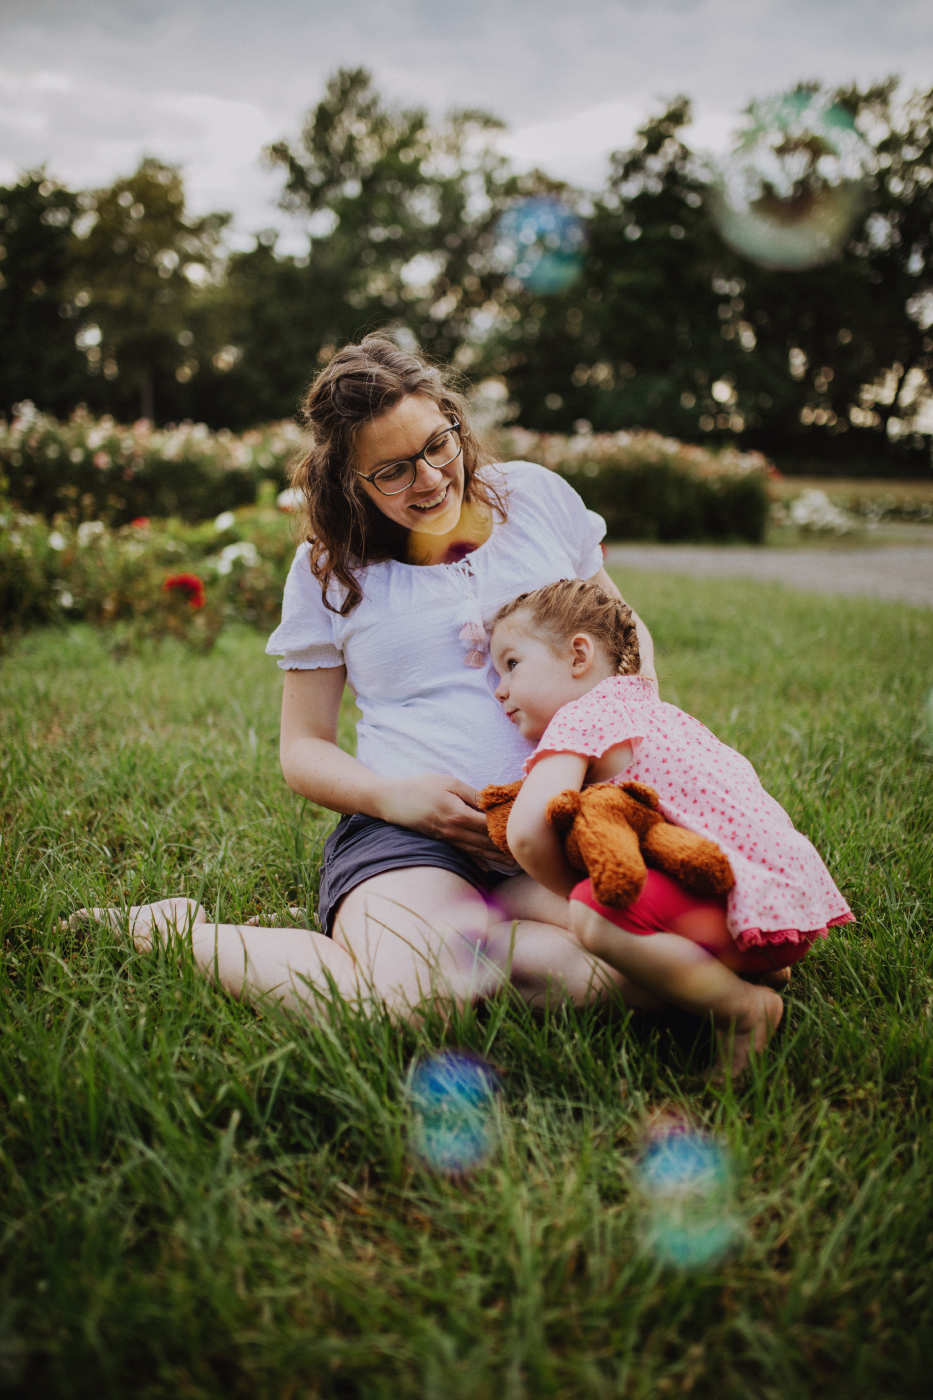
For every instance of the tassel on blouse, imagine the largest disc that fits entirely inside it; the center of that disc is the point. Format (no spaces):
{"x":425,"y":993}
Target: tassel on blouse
{"x":472,"y":632}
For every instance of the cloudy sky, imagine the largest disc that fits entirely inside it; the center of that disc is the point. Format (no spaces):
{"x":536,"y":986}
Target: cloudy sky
{"x":88,"y":86}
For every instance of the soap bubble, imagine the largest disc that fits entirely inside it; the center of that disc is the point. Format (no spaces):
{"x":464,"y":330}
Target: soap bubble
{"x":452,"y":1095}
{"x":541,"y":242}
{"x":686,"y":1185}
{"x":790,"y":192}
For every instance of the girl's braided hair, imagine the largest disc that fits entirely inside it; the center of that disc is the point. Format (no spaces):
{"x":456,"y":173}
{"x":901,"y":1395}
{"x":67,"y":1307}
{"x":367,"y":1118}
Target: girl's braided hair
{"x":560,"y":610}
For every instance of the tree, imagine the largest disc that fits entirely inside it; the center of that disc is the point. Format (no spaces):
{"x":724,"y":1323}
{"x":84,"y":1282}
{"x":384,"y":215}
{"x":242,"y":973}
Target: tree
{"x":400,"y":214}
{"x":40,"y":360}
{"x":398,"y":210}
{"x":670,"y":329}
{"x":623,"y":343}
{"x":136,"y":276}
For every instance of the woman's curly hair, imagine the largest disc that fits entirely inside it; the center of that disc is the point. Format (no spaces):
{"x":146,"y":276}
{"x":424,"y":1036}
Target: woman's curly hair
{"x":346,"y":530}
{"x":560,"y":610}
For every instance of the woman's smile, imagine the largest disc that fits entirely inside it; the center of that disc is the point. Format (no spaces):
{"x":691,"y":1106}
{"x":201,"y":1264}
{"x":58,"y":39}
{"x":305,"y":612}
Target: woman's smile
{"x":435,"y":500}
{"x":431,"y":504}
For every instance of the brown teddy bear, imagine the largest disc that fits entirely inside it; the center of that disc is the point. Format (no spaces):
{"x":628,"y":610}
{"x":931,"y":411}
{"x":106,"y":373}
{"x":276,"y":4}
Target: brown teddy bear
{"x":612,"y":832}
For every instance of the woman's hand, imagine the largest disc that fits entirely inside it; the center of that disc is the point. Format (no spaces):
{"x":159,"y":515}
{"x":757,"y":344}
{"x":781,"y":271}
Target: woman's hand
{"x":442,"y":807}
{"x":434,"y":804}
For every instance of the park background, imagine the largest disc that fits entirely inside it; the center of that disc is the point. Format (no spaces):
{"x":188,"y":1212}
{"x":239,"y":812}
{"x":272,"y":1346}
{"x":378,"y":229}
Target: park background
{"x":199,"y":204}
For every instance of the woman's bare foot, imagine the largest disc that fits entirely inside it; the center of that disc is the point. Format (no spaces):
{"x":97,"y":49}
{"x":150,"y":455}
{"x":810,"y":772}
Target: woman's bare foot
{"x":294,"y":917}
{"x":752,"y":1029}
{"x":167,"y":916}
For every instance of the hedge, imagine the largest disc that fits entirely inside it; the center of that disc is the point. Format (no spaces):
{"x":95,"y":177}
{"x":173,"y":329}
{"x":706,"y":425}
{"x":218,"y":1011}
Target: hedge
{"x":653,"y":488}
{"x":646,"y":486}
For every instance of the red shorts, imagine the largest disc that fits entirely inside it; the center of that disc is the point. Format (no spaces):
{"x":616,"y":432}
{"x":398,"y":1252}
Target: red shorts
{"x":664,"y":906}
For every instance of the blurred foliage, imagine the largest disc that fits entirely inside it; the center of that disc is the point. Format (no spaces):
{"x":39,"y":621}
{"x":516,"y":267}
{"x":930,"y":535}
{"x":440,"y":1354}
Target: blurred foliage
{"x":40,"y":360}
{"x":121,"y":300}
{"x":651,"y":488}
{"x":116,"y":577}
{"x":96,"y":467}
{"x":140,"y":261}
{"x":646,"y":486}
{"x":401,"y":216}
{"x":669,"y":328}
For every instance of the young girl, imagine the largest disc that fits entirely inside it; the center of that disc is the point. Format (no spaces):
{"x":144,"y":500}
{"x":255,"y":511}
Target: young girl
{"x":567,"y":658}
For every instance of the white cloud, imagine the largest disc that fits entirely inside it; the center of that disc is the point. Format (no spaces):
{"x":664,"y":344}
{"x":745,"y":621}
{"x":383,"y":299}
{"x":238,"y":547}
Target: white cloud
{"x":577,"y":148}
{"x":89,"y":88}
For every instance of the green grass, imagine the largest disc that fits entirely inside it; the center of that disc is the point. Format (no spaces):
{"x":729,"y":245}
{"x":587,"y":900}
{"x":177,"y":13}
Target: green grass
{"x":203,"y":1200}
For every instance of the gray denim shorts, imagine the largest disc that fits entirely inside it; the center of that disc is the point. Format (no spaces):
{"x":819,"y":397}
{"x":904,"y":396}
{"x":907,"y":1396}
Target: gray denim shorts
{"x":361,"y":847}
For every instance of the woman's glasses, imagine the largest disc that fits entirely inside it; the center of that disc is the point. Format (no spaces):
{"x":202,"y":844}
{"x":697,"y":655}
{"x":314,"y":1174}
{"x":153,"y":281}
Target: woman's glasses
{"x":398,"y":476}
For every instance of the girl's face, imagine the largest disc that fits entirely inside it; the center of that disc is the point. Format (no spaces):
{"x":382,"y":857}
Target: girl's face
{"x":432,"y":503}
{"x":534,"y":679}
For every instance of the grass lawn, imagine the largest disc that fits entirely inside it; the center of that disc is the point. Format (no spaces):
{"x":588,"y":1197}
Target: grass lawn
{"x":199,"y":1200}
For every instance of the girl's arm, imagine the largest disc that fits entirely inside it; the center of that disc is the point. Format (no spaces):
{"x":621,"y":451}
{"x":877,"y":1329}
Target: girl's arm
{"x":434,"y":803}
{"x":645,"y":644}
{"x":534,"y":844}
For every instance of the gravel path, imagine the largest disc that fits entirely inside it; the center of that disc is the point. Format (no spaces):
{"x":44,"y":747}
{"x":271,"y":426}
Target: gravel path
{"x":901,"y":573}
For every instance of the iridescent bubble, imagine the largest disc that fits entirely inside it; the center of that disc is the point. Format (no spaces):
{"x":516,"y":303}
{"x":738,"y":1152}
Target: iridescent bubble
{"x":452,"y":1095}
{"x":541,"y":242}
{"x":686,"y":1184}
{"x":790,"y":192}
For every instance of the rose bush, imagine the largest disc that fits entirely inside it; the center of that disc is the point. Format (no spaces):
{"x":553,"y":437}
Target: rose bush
{"x":148,"y":579}
{"x":82,"y":562}
{"x":118,"y":473}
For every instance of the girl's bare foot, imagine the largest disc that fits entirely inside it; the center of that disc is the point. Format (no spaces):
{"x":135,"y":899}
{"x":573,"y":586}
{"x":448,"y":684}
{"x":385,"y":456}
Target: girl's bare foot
{"x":779,"y":980}
{"x":167,"y":916}
{"x":752,"y":1029}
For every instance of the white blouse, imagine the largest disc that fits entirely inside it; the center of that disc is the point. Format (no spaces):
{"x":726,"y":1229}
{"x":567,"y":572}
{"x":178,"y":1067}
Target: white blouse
{"x":423,"y":709}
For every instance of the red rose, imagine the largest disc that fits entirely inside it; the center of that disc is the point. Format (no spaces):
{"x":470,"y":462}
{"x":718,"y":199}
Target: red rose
{"x":190,"y":585}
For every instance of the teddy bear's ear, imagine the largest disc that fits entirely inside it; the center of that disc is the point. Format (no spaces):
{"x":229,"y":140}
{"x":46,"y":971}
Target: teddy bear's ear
{"x":497,"y":794}
{"x":643,"y":794}
{"x":562,"y":809}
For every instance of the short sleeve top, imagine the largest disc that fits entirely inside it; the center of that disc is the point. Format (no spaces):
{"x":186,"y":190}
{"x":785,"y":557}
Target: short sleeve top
{"x":423,"y":710}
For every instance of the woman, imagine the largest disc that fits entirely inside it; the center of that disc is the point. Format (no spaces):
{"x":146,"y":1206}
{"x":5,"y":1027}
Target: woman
{"x":411,"y":545}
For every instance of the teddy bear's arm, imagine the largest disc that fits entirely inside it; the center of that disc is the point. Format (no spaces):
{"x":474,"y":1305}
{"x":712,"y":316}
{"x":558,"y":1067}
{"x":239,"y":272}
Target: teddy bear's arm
{"x":497,"y":801}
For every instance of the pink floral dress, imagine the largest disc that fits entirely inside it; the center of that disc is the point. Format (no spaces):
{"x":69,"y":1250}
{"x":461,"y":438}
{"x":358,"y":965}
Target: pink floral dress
{"x":783,"y":891}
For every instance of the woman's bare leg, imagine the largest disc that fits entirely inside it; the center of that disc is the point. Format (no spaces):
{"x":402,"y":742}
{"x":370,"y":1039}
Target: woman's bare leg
{"x":399,"y":938}
{"x":418,"y":933}
{"x":421,"y":932}
{"x":295,"y":966}
{"x":532,"y":937}
{"x":291,"y":965}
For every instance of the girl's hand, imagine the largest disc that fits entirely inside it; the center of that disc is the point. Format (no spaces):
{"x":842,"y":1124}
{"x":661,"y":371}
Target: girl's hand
{"x":443,"y":807}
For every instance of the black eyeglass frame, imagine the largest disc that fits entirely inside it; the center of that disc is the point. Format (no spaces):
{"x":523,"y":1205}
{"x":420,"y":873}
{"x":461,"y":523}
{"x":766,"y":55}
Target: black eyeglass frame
{"x":412,"y":462}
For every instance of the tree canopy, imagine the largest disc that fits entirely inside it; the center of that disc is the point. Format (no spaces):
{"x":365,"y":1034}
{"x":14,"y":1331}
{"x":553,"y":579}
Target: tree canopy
{"x":120,"y":299}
